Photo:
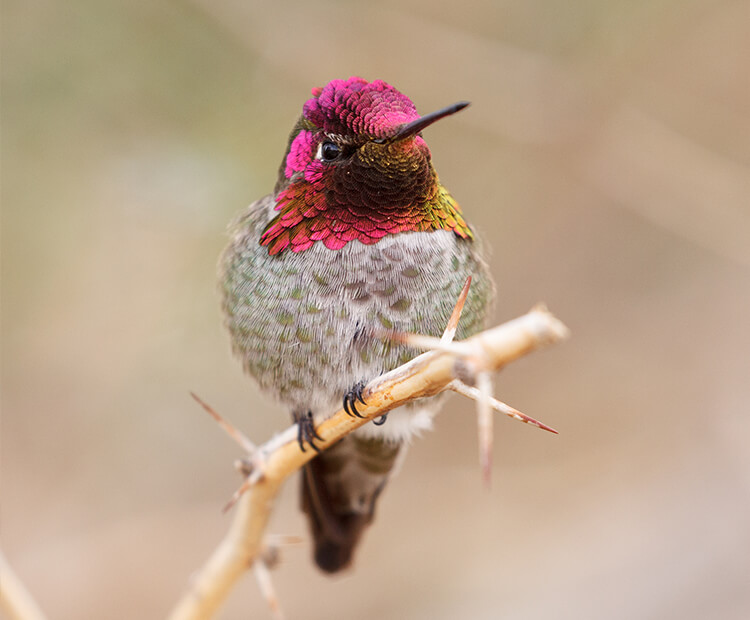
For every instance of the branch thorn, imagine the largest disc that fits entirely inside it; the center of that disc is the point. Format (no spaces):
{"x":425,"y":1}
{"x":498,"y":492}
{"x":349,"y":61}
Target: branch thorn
{"x":231,"y":430}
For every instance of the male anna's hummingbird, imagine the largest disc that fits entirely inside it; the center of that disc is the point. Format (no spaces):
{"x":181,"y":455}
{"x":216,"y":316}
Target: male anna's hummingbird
{"x":358,"y":236}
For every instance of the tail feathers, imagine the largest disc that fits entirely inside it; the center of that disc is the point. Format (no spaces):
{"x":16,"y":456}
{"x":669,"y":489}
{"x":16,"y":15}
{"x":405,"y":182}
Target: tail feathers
{"x":334,"y":550}
{"x":339,"y":491}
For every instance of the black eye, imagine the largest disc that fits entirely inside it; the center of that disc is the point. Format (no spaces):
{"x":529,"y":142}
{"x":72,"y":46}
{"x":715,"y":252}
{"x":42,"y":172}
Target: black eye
{"x":329,"y":151}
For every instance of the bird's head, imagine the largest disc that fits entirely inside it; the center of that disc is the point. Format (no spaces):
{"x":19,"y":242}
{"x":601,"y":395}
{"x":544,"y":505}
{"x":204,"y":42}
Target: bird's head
{"x":357,"y":168}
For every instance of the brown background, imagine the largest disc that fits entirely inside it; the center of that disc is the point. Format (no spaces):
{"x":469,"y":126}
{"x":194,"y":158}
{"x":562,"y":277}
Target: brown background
{"x":605,"y":159}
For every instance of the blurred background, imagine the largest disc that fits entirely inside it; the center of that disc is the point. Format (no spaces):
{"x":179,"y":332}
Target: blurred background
{"x":605,"y":159}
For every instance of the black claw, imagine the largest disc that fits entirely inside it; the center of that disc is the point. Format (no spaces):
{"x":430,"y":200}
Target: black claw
{"x":353,"y":408}
{"x":381,"y":420}
{"x":351,"y":398}
{"x":346,"y":404}
{"x":306,"y":432}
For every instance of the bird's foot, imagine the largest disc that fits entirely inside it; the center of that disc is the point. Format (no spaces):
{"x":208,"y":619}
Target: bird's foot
{"x":306,"y":432}
{"x":381,"y":420}
{"x":351,"y":398}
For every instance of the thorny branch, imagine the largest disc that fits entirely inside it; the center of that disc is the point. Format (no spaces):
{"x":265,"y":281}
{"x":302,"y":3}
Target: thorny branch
{"x":447,"y":366}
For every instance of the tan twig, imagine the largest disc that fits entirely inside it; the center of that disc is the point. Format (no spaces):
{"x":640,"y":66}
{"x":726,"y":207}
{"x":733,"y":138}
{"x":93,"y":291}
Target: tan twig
{"x":471,"y":392}
{"x":482,"y":394}
{"x":263,"y":577}
{"x":239,"y":437}
{"x":15,"y":600}
{"x":426,"y":375}
{"x":251,"y":480}
{"x":450,"y":329}
{"x":484,"y":425}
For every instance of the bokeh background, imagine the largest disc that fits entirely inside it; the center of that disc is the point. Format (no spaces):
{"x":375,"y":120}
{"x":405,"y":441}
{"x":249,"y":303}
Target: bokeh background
{"x":606,"y":161}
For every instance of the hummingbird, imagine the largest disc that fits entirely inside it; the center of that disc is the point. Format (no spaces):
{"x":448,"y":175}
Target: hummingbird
{"x":358,"y":237}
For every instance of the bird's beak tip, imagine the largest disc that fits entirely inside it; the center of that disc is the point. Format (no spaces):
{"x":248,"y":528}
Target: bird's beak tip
{"x":413,"y":128}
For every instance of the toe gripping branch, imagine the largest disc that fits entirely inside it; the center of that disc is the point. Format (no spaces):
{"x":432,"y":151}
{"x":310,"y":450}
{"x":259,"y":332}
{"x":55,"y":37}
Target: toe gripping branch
{"x":306,"y":432}
{"x":351,"y":398}
{"x":350,"y":403}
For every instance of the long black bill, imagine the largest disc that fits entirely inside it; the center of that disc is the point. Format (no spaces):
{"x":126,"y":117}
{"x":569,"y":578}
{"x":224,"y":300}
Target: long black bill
{"x":413,"y":128}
